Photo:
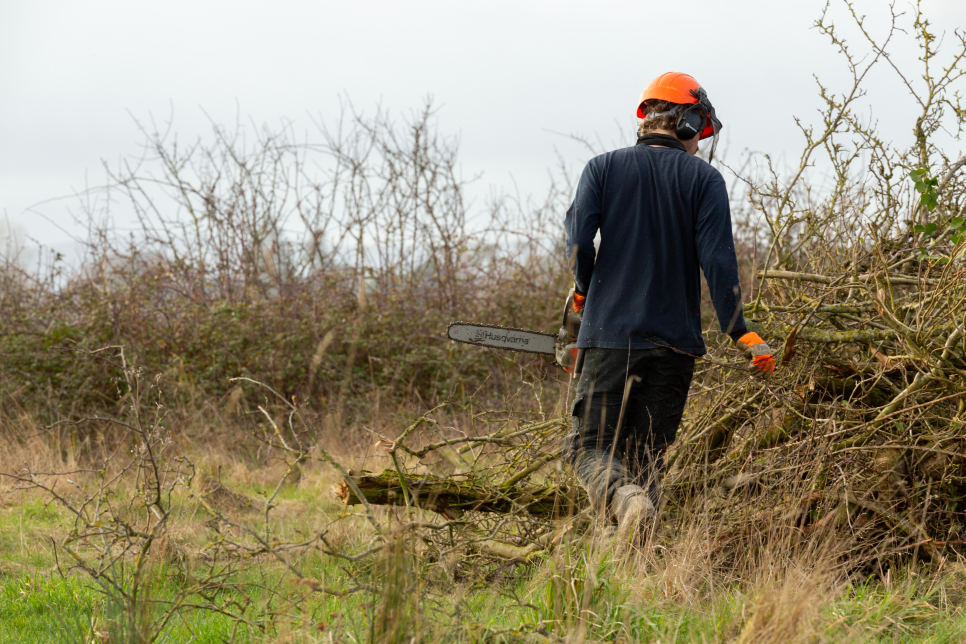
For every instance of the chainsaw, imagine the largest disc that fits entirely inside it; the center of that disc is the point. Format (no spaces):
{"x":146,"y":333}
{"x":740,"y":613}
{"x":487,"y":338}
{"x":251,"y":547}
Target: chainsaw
{"x":563,"y":346}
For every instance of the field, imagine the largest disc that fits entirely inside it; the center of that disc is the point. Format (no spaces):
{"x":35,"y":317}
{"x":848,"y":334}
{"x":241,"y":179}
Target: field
{"x":242,"y":423}
{"x":584,"y":589}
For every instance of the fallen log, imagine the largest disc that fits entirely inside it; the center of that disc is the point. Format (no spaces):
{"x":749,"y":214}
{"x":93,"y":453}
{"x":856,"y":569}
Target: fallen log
{"x":820,"y":336}
{"x":865,"y":278}
{"x":452,"y":496}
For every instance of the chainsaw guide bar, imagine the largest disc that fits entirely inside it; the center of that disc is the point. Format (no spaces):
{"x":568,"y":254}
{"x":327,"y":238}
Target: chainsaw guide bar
{"x":499,"y":337}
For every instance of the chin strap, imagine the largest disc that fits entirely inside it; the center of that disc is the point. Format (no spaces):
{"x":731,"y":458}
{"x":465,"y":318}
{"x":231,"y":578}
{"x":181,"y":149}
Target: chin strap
{"x":661,"y":139}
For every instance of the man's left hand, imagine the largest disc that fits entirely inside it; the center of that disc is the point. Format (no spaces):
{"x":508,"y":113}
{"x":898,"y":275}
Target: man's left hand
{"x":760,"y":353}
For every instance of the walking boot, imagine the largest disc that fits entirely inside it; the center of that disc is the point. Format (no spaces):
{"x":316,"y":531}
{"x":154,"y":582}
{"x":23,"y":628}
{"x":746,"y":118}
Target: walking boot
{"x":634,"y":512}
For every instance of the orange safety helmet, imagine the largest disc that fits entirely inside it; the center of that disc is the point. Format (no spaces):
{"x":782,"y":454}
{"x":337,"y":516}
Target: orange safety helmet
{"x":674,"y":87}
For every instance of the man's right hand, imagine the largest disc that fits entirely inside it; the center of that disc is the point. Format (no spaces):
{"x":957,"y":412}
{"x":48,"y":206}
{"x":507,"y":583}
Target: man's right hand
{"x":573,"y":308}
{"x":760,"y":353}
{"x":579,"y":302}
{"x":569,"y":330}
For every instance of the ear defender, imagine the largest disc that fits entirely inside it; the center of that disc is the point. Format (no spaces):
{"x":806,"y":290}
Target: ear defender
{"x":691,"y":122}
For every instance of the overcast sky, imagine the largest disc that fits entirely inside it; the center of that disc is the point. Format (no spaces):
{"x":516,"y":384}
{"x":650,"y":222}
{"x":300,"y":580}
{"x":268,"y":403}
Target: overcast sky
{"x":507,"y":75}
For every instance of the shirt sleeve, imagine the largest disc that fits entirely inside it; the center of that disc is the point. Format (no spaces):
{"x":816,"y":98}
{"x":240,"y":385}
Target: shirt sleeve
{"x":716,"y":253}
{"x":581,"y":224}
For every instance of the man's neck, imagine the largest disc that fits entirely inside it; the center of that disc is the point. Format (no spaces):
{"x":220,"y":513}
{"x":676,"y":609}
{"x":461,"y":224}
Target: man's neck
{"x":665,"y":133}
{"x":690,"y":146}
{"x":659,"y":140}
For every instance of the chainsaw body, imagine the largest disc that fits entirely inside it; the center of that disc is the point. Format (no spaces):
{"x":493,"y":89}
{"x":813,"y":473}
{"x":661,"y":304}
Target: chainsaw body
{"x":567,"y":354}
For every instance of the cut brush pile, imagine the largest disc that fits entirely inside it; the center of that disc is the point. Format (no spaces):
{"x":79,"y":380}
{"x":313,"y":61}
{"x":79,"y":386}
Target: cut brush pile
{"x":860,"y":433}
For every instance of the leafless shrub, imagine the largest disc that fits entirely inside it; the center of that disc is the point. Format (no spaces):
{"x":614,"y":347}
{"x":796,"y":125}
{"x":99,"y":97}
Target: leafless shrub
{"x":326,"y":267}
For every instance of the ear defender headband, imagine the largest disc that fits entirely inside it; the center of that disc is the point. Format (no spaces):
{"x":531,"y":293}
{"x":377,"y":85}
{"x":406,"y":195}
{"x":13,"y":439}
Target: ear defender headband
{"x":694,"y":119}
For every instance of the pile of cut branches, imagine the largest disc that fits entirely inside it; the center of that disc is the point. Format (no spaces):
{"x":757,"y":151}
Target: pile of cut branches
{"x":863,"y":291}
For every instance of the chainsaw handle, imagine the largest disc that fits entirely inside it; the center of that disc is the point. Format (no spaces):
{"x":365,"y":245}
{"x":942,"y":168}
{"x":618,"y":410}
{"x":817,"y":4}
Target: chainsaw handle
{"x":571,"y":319}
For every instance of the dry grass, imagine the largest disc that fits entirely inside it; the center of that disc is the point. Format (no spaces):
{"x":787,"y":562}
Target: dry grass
{"x":678,"y":587}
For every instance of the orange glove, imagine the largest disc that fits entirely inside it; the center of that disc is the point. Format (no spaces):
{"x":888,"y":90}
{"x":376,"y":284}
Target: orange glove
{"x":760,"y":353}
{"x":579,"y":302}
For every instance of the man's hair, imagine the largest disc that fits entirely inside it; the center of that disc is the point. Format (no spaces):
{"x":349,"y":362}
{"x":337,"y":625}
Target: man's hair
{"x":666,"y":122}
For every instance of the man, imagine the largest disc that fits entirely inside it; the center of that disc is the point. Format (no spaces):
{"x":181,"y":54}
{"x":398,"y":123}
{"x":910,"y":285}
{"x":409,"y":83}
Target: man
{"x":662,"y":213}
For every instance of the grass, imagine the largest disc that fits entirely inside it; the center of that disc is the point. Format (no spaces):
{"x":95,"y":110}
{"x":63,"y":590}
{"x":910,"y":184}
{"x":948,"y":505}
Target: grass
{"x":580,"y":591}
{"x":45,"y":607}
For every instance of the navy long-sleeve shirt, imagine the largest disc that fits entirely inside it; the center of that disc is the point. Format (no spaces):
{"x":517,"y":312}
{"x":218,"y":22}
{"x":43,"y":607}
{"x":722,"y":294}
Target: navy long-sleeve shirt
{"x":662,"y":214}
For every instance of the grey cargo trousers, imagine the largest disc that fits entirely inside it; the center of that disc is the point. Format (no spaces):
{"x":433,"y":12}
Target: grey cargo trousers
{"x":626,"y":413}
